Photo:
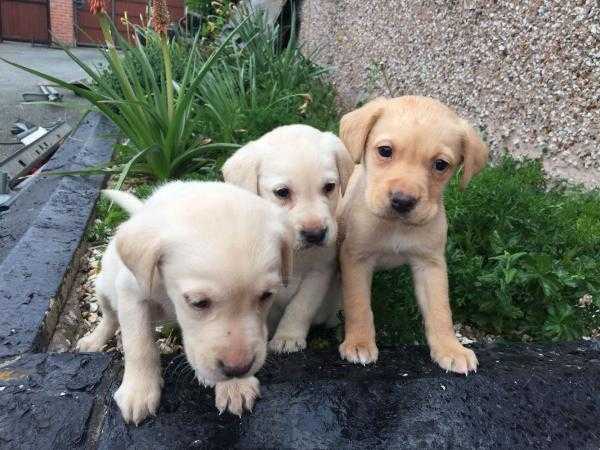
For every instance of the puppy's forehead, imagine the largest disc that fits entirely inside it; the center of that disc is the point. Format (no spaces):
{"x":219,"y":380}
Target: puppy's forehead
{"x":410,"y":130}
{"x":231,"y":261}
{"x":301,"y":162}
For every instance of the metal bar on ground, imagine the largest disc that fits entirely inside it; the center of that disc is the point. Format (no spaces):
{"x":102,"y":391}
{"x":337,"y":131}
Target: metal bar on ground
{"x":25,"y":159}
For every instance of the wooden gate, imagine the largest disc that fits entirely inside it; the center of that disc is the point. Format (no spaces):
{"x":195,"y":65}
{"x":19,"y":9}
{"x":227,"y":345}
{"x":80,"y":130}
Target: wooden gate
{"x":88,"y":28}
{"x":25,"y":20}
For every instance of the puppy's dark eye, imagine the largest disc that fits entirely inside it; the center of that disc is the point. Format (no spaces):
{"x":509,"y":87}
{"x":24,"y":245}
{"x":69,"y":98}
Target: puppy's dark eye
{"x":265,"y":296}
{"x":440,"y":165}
{"x":202,"y":304}
{"x":385,"y":151}
{"x":282,"y":192}
{"x":329,"y":187}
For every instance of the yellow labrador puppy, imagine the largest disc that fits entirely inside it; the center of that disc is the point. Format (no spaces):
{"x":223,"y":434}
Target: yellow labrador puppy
{"x":209,"y":256}
{"x":305,"y":171}
{"x":393,"y":213}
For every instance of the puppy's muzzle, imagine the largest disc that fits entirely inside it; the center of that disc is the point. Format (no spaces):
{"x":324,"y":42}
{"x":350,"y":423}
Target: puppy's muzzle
{"x":235,"y":369}
{"x":403,"y":203}
{"x":314,"y":236}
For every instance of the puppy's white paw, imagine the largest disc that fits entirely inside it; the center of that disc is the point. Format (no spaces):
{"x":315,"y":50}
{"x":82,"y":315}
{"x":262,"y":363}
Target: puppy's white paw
{"x":359,"y":351}
{"x":90,"y":343}
{"x":138,"y":399}
{"x":287,"y":344}
{"x":454,"y":357}
{"x":237,"y":395}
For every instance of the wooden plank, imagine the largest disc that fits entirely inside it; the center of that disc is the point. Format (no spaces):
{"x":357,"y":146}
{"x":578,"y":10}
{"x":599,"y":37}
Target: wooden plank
{"x":89,"y":30}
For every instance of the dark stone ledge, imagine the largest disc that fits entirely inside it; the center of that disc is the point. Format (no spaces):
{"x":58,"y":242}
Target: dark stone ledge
{"x":43,"y":230}
{"x":522,"y":396}
{"x":47,"y":401}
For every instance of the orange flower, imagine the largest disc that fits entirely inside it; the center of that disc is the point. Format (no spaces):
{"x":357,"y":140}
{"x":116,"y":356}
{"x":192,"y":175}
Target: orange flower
{"x":97,"y":6}
{"x":160,"y":16}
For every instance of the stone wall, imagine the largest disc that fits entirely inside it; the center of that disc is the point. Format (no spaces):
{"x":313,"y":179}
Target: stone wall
{"x":527,"y":73}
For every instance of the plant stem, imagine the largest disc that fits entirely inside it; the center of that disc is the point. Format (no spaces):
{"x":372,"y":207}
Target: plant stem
{"x":168,"y":74}
{"x":114,"y":56}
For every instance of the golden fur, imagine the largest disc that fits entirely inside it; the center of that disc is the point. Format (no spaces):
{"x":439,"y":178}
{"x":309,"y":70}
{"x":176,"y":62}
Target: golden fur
{"x":393,"y":214}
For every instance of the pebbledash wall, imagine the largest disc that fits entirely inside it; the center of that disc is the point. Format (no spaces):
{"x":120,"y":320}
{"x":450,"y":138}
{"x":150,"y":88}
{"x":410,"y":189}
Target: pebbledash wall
{"x":62,"y":21}
{"x":527,"y":73}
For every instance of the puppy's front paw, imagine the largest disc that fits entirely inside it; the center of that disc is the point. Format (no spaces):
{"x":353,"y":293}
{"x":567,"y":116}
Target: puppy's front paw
{"x":287,"y":344}
{"x":90,"y":343}
{"x":359,"y":351}
{"x":237,"y":395}
{"x":137,"y":399}
{"x":454,"y":357}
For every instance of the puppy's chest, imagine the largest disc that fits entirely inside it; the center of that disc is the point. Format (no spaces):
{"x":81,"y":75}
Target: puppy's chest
{"x":285,"y":294}
{"x":305,"y":263}
{"x":395,"y":249}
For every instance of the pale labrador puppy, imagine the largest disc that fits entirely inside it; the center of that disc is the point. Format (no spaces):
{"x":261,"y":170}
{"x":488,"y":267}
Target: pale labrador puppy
{"x":305,"y":171}
{"x":393,"y":213}
{"x":209,"y":256}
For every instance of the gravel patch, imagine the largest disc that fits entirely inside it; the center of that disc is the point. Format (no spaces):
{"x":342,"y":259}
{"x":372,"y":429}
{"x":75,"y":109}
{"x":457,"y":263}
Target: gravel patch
{"x":527,"y":73}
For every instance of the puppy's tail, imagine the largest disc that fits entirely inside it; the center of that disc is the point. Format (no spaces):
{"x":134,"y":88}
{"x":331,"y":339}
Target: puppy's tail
{"x":125,"y":200}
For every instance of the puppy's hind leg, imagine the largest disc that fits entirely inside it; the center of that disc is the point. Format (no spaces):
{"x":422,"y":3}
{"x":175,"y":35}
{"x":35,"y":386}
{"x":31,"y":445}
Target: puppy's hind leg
{"x":95,"y":341}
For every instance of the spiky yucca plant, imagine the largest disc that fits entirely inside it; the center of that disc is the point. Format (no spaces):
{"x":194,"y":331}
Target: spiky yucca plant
{"x":154,"y":115}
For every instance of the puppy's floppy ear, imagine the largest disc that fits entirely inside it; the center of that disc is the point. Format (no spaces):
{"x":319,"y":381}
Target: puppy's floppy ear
{"x":475,"y":153}
{"x":356,"y":126}
{"x":343,"y":161}
{"x":242,"y":167}
{"x":286,"y":241}
{"x":139,"y":249}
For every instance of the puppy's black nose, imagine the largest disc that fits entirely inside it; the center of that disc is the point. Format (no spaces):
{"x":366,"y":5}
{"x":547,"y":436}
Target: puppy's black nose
{"x":403,"y":203}
{"x":314,"y":236}
{"x":237,"y":370}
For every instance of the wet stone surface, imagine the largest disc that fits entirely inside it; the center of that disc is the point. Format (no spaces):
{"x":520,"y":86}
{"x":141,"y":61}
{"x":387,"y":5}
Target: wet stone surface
{"x":47,"y":400}
{"x":522,"y":396}
{"x":534,"y":396}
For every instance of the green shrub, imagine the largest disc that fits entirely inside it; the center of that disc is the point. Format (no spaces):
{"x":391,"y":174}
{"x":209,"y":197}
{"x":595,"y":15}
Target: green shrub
{"x":261,"y":84}
{"x":521,"y":253}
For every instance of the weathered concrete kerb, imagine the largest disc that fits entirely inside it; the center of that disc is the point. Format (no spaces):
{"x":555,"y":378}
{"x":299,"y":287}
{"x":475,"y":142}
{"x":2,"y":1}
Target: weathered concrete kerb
{"x":42,"y":231}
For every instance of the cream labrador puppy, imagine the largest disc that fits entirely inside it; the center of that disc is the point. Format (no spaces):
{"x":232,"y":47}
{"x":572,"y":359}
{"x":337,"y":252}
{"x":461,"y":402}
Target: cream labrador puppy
{"x":209,"y":256}
{"x":305,"y":171}
{"x":393,"y":213}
